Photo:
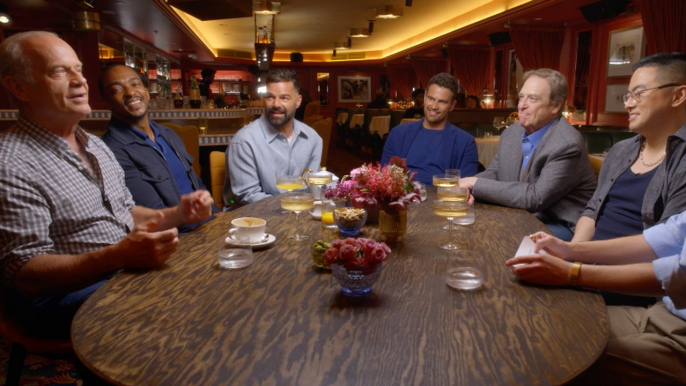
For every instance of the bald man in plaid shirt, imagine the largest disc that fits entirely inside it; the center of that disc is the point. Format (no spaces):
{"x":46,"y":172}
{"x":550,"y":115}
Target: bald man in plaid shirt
{"x":67,"y":220}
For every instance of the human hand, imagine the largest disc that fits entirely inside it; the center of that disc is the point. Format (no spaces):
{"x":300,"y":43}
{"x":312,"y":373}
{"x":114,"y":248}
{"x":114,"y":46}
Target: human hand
{"x":468,"y":182}
{"x":541,"y":268}
{"x":195,"y":207}
{"x":146,"y":248}
{"x":551,"y":244}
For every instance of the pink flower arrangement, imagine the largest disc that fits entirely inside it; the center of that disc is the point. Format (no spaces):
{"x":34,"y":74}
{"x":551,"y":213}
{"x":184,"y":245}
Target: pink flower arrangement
{"x":345,"y":189}
{"x":392,"y":185}
{"x":358,"y":253}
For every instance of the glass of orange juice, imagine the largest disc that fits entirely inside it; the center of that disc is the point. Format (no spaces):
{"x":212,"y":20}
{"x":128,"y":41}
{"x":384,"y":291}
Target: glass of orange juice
{"x":327,"y":212}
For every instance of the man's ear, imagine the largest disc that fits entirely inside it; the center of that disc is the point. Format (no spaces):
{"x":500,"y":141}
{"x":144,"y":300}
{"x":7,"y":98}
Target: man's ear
{"x":16,"y":87}
{"x":679,"y":97}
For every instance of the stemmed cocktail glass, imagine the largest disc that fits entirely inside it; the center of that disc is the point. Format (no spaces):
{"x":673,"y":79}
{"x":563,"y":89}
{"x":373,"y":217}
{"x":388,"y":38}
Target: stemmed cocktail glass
{"x":450,"y":202}
{"x":297,"y":202}
{"x":289,"y":183}
{"x":499,"y":123}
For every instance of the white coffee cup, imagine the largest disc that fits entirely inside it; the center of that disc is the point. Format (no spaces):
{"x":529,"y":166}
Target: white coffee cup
{"x":252,"y":227}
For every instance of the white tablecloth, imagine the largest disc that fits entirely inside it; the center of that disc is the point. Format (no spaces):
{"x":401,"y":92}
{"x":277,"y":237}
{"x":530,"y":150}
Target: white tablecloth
{"x":487,"y":148}
{"x":357,"y":119}
{"x":380,"y":124}
{"x":342,"y":117}
{"x":407,"y":120}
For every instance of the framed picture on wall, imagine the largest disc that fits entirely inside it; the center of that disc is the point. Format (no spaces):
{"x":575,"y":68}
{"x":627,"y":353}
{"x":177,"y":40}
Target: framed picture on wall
{"x":625,"y":48}
{"x":613,"y":98}
{"x":354,"y":89}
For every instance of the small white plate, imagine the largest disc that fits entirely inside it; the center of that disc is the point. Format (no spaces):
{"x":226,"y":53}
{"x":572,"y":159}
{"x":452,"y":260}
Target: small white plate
{"x":260,"y":244}
{"x":314,"y":216}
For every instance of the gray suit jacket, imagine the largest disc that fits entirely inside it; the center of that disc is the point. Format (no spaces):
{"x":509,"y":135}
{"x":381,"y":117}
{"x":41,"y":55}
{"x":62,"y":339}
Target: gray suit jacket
{"x":558,"y":180}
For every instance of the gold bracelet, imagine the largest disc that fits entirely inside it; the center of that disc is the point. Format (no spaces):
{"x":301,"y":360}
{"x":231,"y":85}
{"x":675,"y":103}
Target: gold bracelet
{"x":574,"y":275}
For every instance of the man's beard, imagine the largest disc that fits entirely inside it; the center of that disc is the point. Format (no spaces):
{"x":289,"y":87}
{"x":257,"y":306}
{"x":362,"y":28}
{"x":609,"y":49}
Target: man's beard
{"x":280,"y":122}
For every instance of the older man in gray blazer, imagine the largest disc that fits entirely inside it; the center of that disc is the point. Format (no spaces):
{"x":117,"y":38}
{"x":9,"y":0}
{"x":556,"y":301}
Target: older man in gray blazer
{"x":542,"y":163}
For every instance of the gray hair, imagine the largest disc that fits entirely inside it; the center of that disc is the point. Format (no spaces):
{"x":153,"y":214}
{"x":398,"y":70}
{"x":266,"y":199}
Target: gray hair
{"x":558,"y":84}
{"x":13,"y":58}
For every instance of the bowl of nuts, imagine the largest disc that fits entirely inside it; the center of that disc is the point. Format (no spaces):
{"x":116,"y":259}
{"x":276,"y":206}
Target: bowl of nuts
{"x":350,"y":220}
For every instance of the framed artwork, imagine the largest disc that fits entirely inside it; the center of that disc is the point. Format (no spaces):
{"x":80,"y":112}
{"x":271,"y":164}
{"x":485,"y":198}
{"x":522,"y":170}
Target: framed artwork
{"x":354,"y":89}
{"x":613,"y":98}
{"x":625,"y":48}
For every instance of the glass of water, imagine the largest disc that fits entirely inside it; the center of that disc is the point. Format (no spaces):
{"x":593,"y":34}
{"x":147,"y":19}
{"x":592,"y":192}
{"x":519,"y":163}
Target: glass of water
{"x":235,"y":251}
{"x":462,"y":273}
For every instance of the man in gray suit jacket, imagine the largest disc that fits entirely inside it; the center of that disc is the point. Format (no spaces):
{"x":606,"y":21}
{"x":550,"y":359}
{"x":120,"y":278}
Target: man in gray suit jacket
{"x":542,"y":163}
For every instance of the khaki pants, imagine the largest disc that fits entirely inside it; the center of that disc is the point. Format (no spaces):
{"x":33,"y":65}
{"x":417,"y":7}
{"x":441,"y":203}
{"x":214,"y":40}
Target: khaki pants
{"x":646,"y":347}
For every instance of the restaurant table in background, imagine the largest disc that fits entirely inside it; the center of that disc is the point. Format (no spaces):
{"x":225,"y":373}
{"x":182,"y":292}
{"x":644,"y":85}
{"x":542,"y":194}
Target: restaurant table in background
{"x":342,"y":118}
{"x":408,"y":120}
{"x":380,"y":124}
{"x":280,"y":321}
{"x":357,"y":120}
{"x":597,"y":161}
{"x":487,"y":147}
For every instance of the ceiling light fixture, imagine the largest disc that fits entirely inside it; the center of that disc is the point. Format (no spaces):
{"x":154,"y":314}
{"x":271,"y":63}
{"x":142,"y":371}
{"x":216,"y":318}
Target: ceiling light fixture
{"x":340,"y":46}
{"x":264,"y":7}
{"x":359,"y":32}
{"x":388,"y":12}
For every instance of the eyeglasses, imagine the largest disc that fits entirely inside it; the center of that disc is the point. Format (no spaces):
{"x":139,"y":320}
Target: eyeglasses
{"x":636,"y":96}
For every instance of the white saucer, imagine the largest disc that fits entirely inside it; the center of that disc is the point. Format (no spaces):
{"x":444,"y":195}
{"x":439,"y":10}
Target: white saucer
{"x":260,"y":244}
{"x":314,"y":216}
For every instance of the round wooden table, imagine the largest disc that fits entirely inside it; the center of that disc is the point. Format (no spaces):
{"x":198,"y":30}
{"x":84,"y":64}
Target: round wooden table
{"x":282,"y":322}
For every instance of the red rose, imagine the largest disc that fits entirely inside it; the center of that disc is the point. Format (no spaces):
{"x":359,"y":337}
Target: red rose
{"x":347,"y":252}
{"x":368,"y":245}
{"x":357,"y":262}
{"x":351,"y":241}
{"x":385,"y":248}
{"x":337,"y":244}
{"x":331,"y":255}
{"x":377,"y":255}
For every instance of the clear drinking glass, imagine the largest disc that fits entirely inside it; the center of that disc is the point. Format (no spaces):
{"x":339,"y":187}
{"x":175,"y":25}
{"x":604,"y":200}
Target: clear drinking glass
{"x":462,"y":273}
{"x":498,"y":123}
{"x":445,"y":180}
{"x":289,"y":183}
{"x":297,"y":202}
{"x":235,"y":251}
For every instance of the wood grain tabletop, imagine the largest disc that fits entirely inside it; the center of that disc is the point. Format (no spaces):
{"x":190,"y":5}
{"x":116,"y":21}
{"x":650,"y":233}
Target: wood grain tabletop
{"x":281,"y":321}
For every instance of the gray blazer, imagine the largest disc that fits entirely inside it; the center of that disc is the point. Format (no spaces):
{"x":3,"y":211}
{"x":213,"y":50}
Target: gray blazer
{"x":558,"y":180}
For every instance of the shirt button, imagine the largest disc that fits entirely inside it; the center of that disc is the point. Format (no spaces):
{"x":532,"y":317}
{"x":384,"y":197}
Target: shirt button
{"x":80,"y":168}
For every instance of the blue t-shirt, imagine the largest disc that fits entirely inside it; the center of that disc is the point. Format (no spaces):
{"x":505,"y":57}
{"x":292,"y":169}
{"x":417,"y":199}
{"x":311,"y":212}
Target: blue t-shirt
{"x":175,"y":164}
{"x":424,"y":156}
{"x":620,"y":214}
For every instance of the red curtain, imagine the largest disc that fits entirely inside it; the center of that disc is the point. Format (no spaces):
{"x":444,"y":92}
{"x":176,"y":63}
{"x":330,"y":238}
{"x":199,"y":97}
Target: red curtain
{"x":538,"y":47}
{"x":425,"y":68}
{"x":403,"y":79}
{"x":663,"y":25}
{"x":470,"y":64}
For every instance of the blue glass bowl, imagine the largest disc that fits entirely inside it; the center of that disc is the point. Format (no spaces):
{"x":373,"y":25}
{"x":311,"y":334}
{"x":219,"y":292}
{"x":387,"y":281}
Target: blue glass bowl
{"x":350,"y":220}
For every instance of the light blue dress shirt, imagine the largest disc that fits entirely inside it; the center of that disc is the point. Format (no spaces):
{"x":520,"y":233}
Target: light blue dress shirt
{"x":667,"y":241}
{"x":530,"y":142}
{"x":259,"y":153}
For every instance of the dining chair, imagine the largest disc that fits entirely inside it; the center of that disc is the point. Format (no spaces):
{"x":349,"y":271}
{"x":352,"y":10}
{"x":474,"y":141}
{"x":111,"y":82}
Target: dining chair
{"x":323,"y":128}
{"x":22,"y":344}
{"x":217,"y":176}
{"x":312,"y":108}
{"x":309,"y":121}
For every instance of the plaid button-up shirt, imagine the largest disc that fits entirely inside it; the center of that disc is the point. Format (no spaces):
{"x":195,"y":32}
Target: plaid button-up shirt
{"x":51,"y":203}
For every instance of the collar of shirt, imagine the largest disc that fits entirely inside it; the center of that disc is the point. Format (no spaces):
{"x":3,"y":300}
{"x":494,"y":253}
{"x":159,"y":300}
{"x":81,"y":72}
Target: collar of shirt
{"x":52,"y":141}
{"x":270,"y":132}
{"x":142,"y":135}
{"x":530,"y":142}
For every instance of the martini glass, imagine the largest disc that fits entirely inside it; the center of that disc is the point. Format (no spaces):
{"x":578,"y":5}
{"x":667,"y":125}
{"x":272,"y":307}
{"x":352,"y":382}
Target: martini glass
{"x":449,"y":207}
{"x":296,"y":202}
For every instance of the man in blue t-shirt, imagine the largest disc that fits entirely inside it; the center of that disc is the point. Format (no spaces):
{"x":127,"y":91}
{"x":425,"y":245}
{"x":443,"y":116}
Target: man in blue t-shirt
{"x":432,"y":145}
{"x":159,"y":171}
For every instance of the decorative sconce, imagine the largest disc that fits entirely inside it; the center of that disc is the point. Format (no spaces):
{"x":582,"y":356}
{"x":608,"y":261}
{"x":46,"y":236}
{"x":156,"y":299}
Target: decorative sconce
{"x":486,"y":98}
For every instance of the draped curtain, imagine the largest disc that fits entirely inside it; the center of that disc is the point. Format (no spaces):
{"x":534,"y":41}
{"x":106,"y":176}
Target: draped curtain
{"x":538,"y":47}
{"x":663,"y":25}
{"x":425,"y":68}
{"x":403,"y":79}
{"x":470,"y":64}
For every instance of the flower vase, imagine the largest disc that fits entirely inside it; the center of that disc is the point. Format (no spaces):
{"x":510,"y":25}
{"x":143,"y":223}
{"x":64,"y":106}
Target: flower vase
{"x":357,"y":281}
{"x":393,"y":225}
